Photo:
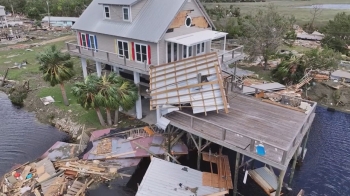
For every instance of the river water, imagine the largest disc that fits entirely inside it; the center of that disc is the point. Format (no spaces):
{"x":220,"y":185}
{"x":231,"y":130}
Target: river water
{"x":325,"y":171}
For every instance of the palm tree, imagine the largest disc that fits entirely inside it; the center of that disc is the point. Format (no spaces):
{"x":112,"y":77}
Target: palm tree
{"x":86,"y":93}
{"x":57,"y":68}
{"x":115,"y":92}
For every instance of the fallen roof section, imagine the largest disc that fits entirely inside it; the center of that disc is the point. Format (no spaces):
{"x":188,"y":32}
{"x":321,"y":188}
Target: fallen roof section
{"x":275,"y":86}
{"x":62,"y":150}
{"x":341,"y":74}
{"x":196,"y":81}
{"x":197,"y":37}
{"x":166,"y":178}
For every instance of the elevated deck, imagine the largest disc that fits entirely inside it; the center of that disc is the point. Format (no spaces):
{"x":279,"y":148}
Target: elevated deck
{"x":249,"y":123}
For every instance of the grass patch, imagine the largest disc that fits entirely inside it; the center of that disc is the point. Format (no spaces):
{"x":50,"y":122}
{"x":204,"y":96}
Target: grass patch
{"x":9,"y":57}
{"x":302,"y":15}
{"x":87,"y":117}
{"x":299,"y":49}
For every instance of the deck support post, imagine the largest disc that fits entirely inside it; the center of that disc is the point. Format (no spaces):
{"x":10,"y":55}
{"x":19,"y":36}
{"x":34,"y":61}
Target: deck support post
{"x":98,"y":69}
{"x":235,"y":180}
{"x":280,"y":182}
{"x":304,"y":145}
{"x":224,"y":44}
{"x":138,"y":102}
{"x":295,"y":158}
{"x":199,"y":153}
{"x":84,"y":67}
{"x":116,"y":70}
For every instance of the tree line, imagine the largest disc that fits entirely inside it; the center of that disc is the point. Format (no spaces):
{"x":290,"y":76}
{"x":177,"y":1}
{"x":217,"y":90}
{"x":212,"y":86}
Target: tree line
{"x":37,"y":9}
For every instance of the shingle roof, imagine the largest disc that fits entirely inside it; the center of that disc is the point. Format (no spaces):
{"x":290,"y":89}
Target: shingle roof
{"x":150,"y":24}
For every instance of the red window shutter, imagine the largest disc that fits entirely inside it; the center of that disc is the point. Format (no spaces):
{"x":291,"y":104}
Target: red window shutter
{"x":81,"y":42}
{"x":133,"y":50}
{"x":149,"y":54}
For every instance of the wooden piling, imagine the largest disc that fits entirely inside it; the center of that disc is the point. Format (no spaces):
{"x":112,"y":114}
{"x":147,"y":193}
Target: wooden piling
{"x":235,"y":180}
{"x":280,"y":182}
{"x":304,"y":145}
{"x":293,"y":167}
{"x":199,"y":153}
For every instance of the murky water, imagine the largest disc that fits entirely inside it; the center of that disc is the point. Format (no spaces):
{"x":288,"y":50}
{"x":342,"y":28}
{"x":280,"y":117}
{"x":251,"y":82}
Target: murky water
{"x":326,"y":168}
{"x":329,"y":6}
{"x":22,"y":138}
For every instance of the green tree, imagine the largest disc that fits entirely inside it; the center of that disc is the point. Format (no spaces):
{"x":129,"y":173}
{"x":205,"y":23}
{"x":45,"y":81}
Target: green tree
{"x":86,"y":93}
{"x":337,"y":33}
{"x":264,"y":32}
{"x":56,"y":68}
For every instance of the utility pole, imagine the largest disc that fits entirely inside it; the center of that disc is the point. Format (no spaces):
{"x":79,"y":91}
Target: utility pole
{"x":48,"y":13}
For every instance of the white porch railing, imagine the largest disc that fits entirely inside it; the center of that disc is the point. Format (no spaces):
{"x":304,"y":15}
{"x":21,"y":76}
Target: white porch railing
{"x":229,"y":56}
{"x":107,"y":57}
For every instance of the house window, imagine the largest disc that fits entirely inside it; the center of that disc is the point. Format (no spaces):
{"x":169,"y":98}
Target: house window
{"x":141,"y":53}
{"x":107,"y":12}
{"x":126,"y":14}
{"x":92,"y":41}
{"x":184,"y":51}
{"x":123,"y":49}
{"x":200,"y":48}
{"x":188,"y":21}
{"x":83,"y":40}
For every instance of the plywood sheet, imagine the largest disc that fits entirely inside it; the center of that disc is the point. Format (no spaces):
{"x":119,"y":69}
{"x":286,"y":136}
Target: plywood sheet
{"x":200,"y":22}
{"x":179,"y":20}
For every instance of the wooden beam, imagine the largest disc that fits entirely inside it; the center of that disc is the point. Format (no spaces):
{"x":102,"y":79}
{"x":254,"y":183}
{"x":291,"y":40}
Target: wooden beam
{"x":222,"y":193}
{"x":284,"y":106}
{"x":185,"y":87}
{"x":235,"y":180}
{"x":221,"y":88}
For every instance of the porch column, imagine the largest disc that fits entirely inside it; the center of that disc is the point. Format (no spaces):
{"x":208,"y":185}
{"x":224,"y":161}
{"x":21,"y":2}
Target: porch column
{"x":98,"y":69}
{"x":84,"y":67}
{"x":235,"y":179}
{"x":224,"y":44}
{"x":138,"y":102}
{"x":187,"y":51}
{"x":116,"y":70}
{"x":280,"y":182}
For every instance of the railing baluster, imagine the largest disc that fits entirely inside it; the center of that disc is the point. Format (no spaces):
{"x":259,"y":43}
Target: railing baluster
{"x":107,"y":56}
{"x":284,"y":157}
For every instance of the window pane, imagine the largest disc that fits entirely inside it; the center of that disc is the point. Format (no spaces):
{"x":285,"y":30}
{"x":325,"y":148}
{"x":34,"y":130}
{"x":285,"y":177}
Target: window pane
{"x":138,"y":56}
{"x":107,"y":15}
{"x":125,"y":44}
{"x":144,"y":49}
{"x":120,"y":52}
{"x":138,"y":48}
{"x":106,"y":9}
{"x":126,"y":53}
{"x":190,"y":51}
{"x":203,"y":47}
{"x":198,"y":48}
{"x":184,"y":52}
{"x":120,"y":45}
{"x":144,"y":58}
{"x":126,"y":13}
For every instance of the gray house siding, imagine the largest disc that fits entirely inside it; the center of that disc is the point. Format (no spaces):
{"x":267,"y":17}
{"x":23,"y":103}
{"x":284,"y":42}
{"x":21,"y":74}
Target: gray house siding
{"x":135,"y":9}
{"x":182,"y":30}
{"x":108,"y":43}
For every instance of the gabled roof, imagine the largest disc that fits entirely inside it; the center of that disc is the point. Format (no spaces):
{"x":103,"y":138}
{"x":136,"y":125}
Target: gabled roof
{"x":119,"y":2}
{"x":206,"y":15}
{"x":150,"y":24}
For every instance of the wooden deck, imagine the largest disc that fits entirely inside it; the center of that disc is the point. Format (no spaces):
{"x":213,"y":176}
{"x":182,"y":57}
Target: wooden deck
{"x":249,"y":123}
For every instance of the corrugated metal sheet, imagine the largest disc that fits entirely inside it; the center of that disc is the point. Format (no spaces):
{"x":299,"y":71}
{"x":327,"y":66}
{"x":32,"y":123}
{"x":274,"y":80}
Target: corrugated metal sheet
{"x":177,"y":83}
{"x":340,"y":74}
{"x":265,"y":87}
{"x":59,"y":19}
{"x":164,"y":178}
{"x":149,"y":25}
{"x":119,"y":2}
{"x":62,"y":150}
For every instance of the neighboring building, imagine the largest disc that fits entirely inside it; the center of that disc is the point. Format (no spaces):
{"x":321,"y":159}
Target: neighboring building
{"x":3,"y":21}
{"x":132,"y":35}
{"x":60,"y":21}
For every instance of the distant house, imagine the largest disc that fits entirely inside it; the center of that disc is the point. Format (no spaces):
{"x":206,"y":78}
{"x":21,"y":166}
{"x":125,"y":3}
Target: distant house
{"x":339,"y":75}
{"x":3,"y":21}
{"x":60,"y":21}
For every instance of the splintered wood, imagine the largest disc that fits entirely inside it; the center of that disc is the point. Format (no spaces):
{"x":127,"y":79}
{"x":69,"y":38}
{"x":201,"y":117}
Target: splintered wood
{"x":223,"y":178}
{"x":104,"y":147}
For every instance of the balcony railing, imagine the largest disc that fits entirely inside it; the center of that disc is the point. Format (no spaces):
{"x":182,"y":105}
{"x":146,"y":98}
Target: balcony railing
{"x":107,"y":57}
{"x":230,"y":56}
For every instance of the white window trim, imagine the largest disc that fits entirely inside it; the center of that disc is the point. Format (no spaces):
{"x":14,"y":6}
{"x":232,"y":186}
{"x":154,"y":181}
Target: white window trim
{"x":129,"y":12}
{"x":201,"y":49}
{"x":95,"y":49}
{"x":82,"y":42}
{"x":185,"y":51}
{"x":104,"y":12}
{"x":186,"y":20}
{"x":141,"y":50}
{"x":119,"y":40}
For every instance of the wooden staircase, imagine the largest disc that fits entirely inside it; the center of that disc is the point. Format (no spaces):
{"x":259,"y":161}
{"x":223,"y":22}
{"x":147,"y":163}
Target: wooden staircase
{"x":305,"y":80}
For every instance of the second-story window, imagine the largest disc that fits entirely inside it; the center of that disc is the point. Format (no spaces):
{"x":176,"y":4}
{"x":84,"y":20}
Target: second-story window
{"x":123,"y":49}
{"x":141,"y":53}
{"x":107,"y":12}
{"x":200,"y":48}
{"x":126,"y":14}
{"x":83,"y":40}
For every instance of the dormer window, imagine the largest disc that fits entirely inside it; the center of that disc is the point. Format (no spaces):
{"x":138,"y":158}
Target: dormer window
{"x":107,"y":12}
{"x":126,"y":13}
